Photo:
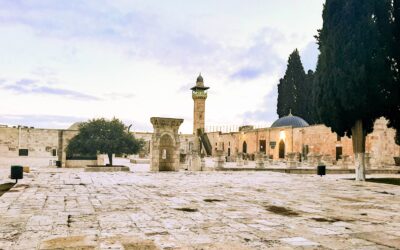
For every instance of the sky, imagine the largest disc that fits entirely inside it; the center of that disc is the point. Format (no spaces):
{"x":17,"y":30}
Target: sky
{"x":68,"y":61}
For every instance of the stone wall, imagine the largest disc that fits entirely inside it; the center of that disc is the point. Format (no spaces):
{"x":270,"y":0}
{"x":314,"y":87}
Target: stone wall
{"x":319,"y":139}
{"x":39,"y":142}
{"x":253,"y":140}
{"x":42,"y":146}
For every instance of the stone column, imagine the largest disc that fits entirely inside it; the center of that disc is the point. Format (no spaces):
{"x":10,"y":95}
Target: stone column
{"x":367,"y":161}
{"x":318,"y":159}
{"x":195,"y":161}
{"x":245,"y":159}
{"x":260,"y":160}
{"x":345,"y":162}
{"x":203,"y":163}
{"x":239,"y":159}
{"x":220,"y":159}
{"x":266,"y":160}
{"x":291,"y":160}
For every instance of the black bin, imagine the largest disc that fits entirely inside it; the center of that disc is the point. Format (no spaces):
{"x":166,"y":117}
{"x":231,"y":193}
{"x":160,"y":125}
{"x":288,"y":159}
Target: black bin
{"x":321,"y":170}
{"x":17,"y":172}
{"x":58,"y":164}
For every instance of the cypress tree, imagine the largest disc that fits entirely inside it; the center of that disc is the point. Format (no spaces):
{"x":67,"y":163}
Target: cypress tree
{"x":306,"y":94}
{"x":352,"y":71}
{"x":393,"y":109}
{"x":289,"y":85}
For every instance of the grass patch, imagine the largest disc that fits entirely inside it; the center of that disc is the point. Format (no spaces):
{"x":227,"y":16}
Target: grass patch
{"x":5,"y":187}
{"x":187,"y":209}
{"x":281,"y":211}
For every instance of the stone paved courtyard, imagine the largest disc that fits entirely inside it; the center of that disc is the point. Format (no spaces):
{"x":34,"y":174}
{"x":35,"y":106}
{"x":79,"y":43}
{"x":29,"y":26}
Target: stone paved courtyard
{"x":72,"y":209}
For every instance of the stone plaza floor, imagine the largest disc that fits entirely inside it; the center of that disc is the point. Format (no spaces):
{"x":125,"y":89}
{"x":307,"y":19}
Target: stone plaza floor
{"x":71,"y":209}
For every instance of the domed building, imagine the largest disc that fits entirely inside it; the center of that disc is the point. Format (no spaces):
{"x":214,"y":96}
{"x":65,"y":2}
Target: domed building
{"x":290,"y":121}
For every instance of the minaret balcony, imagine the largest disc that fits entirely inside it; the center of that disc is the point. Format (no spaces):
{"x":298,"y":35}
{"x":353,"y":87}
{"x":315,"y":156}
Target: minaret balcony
{"x":199,"y":95}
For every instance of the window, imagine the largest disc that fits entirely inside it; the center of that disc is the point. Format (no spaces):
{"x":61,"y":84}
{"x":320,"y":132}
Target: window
{"x":338,"y":138}
{"x":23,"y":152}
{"x":54,"y":152}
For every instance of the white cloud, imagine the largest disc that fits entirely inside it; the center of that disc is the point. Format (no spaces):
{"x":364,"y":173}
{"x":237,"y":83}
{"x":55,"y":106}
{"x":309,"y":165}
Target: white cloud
{"x":139,"y":57}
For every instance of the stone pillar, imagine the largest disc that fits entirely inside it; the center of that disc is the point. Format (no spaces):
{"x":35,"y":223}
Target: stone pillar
{"x":318,"y":159}
{"x":367,"y":161}
{"x":245,"y":159}
{"x":345,"y":162}
{"x":291,"y":160}
{"x":260,"y":160}
{"x":203,"y":163}
{"x":239,"y":159}
{"x":220,"y":159}
{"x":267,"y":160}
{"x":195,"y":162}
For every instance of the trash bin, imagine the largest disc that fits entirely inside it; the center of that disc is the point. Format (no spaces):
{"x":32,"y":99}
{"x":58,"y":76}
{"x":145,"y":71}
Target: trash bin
{"x":321,"y":170}
{"x":17,"y":172}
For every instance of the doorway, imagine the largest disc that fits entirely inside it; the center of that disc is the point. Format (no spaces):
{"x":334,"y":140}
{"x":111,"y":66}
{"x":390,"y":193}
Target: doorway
{"x":281,"y":149}
{"x":339,"y":152}
{"x":263,"y":146}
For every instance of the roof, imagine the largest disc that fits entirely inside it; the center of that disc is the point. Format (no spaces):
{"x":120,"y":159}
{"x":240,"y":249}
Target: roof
{"x":75,"y":126}
{"x":199,"y":84}
{"x":290,"y":121}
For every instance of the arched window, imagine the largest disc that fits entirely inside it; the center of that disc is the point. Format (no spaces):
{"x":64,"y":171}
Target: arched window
{"x":244,"y":147}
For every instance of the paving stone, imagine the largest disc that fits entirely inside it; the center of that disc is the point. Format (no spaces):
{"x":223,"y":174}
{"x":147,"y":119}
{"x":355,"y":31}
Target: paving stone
{"x":198,"y":210}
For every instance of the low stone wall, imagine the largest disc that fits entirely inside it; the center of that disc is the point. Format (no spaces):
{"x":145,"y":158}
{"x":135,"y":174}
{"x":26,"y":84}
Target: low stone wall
{"x":140,"y":161}
{"x":107,"y":169}
{"x":6,"y":162}
{"x":79,"y":163}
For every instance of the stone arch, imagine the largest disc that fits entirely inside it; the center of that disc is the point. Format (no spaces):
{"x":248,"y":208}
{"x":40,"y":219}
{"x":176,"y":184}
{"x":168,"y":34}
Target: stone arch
{"x":165,"y":144}
{"x":282,"y":149}
{"x":166,"y":153}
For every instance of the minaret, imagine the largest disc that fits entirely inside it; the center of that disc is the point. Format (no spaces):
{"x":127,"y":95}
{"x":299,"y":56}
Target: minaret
{"x":199,"y":95}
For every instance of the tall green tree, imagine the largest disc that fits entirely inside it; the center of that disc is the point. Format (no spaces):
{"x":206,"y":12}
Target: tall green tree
{"x":104,"y":137}
{"x":288,"y":86}
{"x":352,"y":70}
{"x":393,"y":109}
{"x":306,"y":103}
{"x":295,"y":89}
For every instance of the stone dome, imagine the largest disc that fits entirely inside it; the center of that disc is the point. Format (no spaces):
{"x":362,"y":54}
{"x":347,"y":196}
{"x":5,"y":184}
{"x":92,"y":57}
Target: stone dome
{"x":75,"y":126}
{"x":290,"y":121}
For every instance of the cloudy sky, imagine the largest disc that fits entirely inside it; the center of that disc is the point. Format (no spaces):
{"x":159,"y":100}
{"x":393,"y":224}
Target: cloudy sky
{"x":68,"y":61}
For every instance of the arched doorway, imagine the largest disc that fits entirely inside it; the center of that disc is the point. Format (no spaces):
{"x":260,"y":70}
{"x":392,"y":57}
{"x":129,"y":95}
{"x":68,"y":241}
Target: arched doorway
{"x":167,"y":148}
{"x":282,"y":149}
{"x":244,"y":147}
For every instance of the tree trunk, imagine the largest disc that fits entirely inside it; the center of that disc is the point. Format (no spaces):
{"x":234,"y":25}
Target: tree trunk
{"x":358,"y":138}
{"x":110,"y":159}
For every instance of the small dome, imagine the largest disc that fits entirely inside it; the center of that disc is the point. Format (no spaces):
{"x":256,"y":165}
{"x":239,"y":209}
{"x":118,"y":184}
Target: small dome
{"x":200,"y":81}
{"x":75,"y":126}
{"x":290,"y":121}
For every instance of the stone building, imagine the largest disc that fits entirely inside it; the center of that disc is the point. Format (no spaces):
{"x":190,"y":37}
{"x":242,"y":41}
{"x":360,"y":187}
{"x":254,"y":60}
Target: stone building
{"x":290,"y":134}
{"x":34,"y":146}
